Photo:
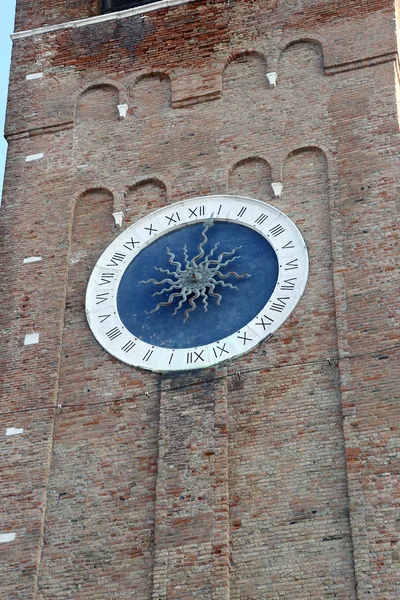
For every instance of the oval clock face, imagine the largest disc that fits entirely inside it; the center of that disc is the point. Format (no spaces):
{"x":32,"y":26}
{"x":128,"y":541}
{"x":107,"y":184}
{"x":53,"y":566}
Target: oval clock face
{"x":196,"y":283}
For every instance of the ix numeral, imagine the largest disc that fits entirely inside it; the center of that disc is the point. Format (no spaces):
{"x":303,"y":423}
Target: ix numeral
{"x":130,"y":245}
{"x":221,"y":349}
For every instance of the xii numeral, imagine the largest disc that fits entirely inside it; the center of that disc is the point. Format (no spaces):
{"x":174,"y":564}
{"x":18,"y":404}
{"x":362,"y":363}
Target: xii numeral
{"x":193,"y":357}
{"x":197,"y":211}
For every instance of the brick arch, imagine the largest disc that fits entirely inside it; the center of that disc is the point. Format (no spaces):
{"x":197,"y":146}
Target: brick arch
{"x":102,"y":82}
{"x":157,"y":85}
{"x":244,"y":71}
{"x":143,"y":197}
{"x":301,"y":58}
{"x":251,"y":176}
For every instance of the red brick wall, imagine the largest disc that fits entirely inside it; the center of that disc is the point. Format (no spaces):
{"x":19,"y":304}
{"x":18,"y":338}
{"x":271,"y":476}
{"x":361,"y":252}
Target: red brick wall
{"x":278,"y":482}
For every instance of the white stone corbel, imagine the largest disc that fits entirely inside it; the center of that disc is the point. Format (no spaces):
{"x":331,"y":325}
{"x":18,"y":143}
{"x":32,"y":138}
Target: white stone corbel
{"x":118,"y":218}
{"x":31,"y":338}
{"x":277,"y":187}
{"x":123,"y":111}
{"x":272,"y":77}
{"x":7,"y":537}
{"x":14,"y":431}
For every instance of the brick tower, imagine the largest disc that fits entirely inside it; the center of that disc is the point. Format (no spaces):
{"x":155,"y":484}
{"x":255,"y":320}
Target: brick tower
{"x":270,"y":476}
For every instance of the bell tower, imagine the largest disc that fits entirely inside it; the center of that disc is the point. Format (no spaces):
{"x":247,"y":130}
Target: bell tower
{"x":273,"y":473}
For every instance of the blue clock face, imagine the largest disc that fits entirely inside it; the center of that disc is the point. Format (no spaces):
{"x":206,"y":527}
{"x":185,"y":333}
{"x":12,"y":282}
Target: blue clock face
{"x":197,"y":284}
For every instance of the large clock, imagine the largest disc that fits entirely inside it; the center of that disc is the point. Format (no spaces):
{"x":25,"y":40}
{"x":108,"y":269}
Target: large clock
{"x":196,"y":283}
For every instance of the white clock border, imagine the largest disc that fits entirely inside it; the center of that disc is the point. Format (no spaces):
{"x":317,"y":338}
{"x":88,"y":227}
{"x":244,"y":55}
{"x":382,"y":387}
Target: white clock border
{"x":268,"y":221}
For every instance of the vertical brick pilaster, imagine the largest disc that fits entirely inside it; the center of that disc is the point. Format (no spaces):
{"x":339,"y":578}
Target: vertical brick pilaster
{"x":192,"y":521}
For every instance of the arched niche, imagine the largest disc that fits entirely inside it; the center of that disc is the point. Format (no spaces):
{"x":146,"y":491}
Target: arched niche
{"x":92,"y":229}
{"x":244,"y":74}
{"x":300,"y":63}
{"x":143,"y":197}
{"x":251,"y":177}
{"x":152,"y":93}
{"x":95,"y":119}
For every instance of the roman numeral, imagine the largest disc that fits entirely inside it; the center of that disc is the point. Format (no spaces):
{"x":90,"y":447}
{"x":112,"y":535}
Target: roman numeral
{"x":103,"y":318}
{"x":292,"y":264}
{"x":102,"y":297}
{"x":128,"y":346}
{"x":106,"y":278}
{"x":221,"y":349}
{"x":219,"y":210}
{"x":242,"y":211}
{"x":277,"y":230}
{"x":288,"y":245}
{"x":244,"y":338}
{"x":174,"y":218}
{"x":289,"y":284}
{"x":147,"y":355}
{"x":279,"y":305}
{"x":193,"y":357}
{"x":198,"y":211}
{"x":170,"y":358}
{"x":113,"y":333}
{"x":117,"y":257}
{"x":265,"y":322}
{"x":130,"y":245}
{"x":260,"y":220}
{"x":151,"y":229}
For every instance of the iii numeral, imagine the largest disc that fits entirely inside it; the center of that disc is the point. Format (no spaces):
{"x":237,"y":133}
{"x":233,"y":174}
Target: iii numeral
{"x":128,"y":346}
{"x":260,"y":220}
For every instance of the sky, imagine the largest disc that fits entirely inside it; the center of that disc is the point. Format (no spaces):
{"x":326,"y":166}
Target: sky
{"x":6,"y":27}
